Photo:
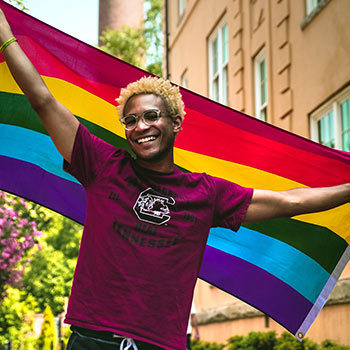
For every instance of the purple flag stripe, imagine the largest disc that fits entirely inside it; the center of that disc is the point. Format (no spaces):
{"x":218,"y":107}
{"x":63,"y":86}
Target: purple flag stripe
{"x":256,"y":287}
{"x":61,"y":195}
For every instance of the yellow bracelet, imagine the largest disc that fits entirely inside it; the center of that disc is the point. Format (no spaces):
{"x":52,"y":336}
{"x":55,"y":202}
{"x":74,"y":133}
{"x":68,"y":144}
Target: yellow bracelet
{"x":7,"y":43}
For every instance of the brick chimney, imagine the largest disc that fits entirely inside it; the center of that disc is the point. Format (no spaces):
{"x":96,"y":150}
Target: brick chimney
{"x":115,"y":13}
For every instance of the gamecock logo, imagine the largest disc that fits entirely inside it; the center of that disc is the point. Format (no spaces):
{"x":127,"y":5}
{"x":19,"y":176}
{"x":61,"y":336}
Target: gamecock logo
{"x":152,"y":207}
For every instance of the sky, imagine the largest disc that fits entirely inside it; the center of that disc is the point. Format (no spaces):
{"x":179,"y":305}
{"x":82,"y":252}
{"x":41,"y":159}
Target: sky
{"x":78,"y":18}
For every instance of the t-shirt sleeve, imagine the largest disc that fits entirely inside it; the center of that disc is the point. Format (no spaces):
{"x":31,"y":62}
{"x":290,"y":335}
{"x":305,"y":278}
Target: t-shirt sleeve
{"x":231,"y":203}
{"x":89,"y":156}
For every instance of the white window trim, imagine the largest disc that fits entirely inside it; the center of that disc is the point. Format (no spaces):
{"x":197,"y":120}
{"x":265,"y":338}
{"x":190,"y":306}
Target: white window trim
{"x":261,"y":56}
{"x":311,"y":5}
{"x":332,"y":105}
{"x":184,"y":79}
{"x":181,"y":7}
{"x":217,"y":33}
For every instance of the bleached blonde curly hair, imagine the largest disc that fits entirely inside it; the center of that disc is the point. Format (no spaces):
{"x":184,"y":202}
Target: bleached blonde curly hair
{"x":169,"y":93}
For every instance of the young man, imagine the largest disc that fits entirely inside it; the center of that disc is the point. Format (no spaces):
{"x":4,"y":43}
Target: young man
{"x":139,"y":259}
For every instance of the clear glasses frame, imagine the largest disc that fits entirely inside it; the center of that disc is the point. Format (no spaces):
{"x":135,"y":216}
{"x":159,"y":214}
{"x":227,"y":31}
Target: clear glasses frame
{"x":148,"y":117}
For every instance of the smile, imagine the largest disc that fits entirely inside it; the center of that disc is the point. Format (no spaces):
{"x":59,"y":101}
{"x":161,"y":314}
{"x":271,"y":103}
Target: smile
{"x":146,"y":139}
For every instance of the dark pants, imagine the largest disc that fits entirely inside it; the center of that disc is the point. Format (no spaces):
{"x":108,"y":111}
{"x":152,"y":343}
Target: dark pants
{"x":188,"y":341}
{"x":86,"y":339}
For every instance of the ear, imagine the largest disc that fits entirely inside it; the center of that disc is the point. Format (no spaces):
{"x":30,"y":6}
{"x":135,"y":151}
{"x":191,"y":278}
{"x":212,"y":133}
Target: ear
{"x":177,"y":123}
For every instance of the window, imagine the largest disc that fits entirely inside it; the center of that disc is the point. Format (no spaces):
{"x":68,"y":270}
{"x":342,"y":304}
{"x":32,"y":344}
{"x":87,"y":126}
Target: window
{"x":311,"y":5}
{"x":181,"y":7}
{"x":260,"y":86}
{"x":330,"y":124}
{"x":312,"y":8}
{"x":218,"y":64}
{"x":184,"y":80}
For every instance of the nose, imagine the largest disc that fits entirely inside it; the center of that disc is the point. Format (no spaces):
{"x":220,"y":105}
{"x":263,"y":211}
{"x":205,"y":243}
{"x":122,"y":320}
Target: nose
{"x":141,"y":125}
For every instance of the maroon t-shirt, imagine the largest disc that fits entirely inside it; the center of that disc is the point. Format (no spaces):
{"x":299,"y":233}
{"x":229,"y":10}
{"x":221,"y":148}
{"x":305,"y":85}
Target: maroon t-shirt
{"x":144,"y":237}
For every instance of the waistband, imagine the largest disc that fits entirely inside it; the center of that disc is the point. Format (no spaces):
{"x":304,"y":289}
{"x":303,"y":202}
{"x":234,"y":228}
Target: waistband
{"x":111,"y":337}
{"x":104,"y":335}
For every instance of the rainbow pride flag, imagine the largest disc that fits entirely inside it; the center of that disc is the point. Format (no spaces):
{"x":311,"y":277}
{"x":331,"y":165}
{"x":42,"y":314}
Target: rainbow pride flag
{"x":284,"y":267}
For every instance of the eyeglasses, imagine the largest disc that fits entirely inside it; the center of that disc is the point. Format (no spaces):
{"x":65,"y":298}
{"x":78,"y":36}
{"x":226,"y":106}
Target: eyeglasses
{"x":149,"y":117}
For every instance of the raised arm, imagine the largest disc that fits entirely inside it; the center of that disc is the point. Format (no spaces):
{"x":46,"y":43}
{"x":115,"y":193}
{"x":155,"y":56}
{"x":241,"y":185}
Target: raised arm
{"x":59,"y":122}
{"x":273,"y":204}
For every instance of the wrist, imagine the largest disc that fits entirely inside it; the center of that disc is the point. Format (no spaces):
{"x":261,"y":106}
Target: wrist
{"x":348,"y":190}
{"x":5,"y":36}
{"x":7,"y":43}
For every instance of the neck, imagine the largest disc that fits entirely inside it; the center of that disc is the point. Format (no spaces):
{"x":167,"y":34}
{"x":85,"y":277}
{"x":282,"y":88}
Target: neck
{"x":159,"y":166}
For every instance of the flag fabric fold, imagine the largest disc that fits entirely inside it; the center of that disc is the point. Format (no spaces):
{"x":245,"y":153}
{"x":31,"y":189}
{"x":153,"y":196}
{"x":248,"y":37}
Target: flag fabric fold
{"x":283,"y":267}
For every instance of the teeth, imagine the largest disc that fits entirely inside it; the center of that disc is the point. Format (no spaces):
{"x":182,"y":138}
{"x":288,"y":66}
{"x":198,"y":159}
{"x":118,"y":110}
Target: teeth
{"x":146,"y":139}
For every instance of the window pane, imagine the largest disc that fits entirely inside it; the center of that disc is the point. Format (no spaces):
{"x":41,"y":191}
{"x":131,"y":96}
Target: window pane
{"x":224,"y":44}
{"x":326,"y":130}
{"x":311,"y":5}
{"x":263,"y":82}
{"x":345,"y":117}
{"x":263,"y":114}
{"x":216,"y":89}
{"x":181,"y":4}
{"x":225,"y":86}
{"x":215,"y":55}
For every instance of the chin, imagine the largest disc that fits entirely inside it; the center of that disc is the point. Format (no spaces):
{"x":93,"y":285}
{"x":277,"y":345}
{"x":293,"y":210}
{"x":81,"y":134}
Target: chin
{"x":151,"y":157}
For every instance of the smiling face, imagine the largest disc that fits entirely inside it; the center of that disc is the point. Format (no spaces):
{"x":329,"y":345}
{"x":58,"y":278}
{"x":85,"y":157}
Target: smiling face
{"x":152,"y":144}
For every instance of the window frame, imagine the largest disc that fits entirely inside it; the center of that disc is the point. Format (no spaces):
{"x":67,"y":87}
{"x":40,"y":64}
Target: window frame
{"x":181,"y":5}
{"x":259,"y":106}
{"x":222,"y":78}
{"x":311,"y":5}
{"x":332,"y":105}
{"x":184,"y":80}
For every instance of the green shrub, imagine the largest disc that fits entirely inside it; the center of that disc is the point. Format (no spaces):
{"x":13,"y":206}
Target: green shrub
{"x":47,"y":338}
{"x":16,"y":319}
{"x":288,"y":342}
{"x":253,"y":341}
{"x":269,"y":341}
{"x":66,"y":333}
{"x":205,"y":345}
{"x":331,"y":345}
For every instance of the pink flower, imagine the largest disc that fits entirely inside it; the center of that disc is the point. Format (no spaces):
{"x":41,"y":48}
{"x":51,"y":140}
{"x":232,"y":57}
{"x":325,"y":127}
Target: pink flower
{"x":11,"y":213}
{"x":5,"y":255}
{"x":24,"y":222}
{"x":24,"y":203}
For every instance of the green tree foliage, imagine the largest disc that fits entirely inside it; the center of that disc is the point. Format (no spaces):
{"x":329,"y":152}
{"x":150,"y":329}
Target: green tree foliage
{"x":49,"y":278}
{"x":205,"y":345}
{"x":269,"y":341}
{"x":153,"y":36}
{"x":331,"y":345}
{"x":47,"y":338}
{"x":17,"y":238}
{"x":49,"y":275}
{"x":128,"y":44}
{"x":141,"y":47}
{"x":254,"y":341}
{"x":19,"y":3}
{"x":65,"y":235}
{"x":287,"y":341}
{"x":16,"y":319}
